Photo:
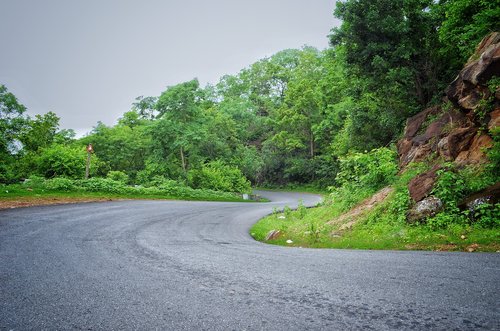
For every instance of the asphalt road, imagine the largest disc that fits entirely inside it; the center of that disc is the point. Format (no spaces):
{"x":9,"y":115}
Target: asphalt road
{"x":172,"y":265}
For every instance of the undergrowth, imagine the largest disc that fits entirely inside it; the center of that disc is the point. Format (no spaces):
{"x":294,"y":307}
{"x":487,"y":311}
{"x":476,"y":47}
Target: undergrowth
{"x":157,"y":188}
{"x":384,"y":226}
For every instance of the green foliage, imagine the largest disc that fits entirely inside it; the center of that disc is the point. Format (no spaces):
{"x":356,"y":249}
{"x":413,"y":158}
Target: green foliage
{"x":487,"y":215}
{"x":118,"y":176}
{"x":396,"y":50}
{"x":34,"y":181}
{"x":465,"y":24}
{"x":11,"y":121}
{"x":450,"y":186}
{"x":453,"y":186}
{"x":121,"y":148}
{"x":60,"y":184}
{"x":220,"y":177}
{"x":61,"y":160}
{"x":494,"y":152}
{"x":40,"y":132}
{"x":362,"y":174}
{"x":107,"y":185}
{"x":301,"y":209}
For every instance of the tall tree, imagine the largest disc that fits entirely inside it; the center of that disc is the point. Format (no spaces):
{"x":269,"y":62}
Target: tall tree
{"x":39,"y":132}
{"x":11,"y":120}
{"x":178,"y":128}
{"x":391,"y":42}
{"x":465,"y":23}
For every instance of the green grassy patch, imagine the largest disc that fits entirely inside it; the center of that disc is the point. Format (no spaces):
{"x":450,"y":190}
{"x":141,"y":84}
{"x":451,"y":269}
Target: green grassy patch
{"x":18,"y":191}
{"x":312,"y":230}
{"x":384,"y":226}
{"x":294,"y":188}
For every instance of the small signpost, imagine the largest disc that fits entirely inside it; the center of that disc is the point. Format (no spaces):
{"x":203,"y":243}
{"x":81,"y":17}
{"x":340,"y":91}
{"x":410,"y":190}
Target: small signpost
{"x":90,"y":149}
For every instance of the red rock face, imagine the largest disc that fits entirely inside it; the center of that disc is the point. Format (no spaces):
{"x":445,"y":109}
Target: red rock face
{"x":475,"y":153}
{"x":459,"y":135}
{"x":494,"y":119}
{"x":420,"y":186}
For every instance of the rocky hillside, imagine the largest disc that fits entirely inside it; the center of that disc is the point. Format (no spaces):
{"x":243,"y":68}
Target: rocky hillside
{"x":458,"y":131}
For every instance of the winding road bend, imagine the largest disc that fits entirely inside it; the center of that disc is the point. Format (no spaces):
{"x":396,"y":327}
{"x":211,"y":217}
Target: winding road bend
{"x":174,"y":265}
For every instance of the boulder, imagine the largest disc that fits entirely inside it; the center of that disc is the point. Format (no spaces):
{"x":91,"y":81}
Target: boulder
{"x":475,"y":154}
{"x":459,"y":140}
{"x":428,"y":207}
{"x":490,"y":195}
{"x":494,"y":119}
{"x":468,"y":89}
{"x":414,"y":123}
{"x":420,"y":186}
{"x":414,"y":148}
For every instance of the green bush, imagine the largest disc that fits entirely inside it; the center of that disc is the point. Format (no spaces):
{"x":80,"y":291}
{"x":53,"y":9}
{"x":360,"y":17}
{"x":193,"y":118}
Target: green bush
{"x":219,"y":177}
{"x":453,"y":185}
{"x":103,"y":185}
{"x":118,"y":176}
{"x":362,"y":174}
{"x":35,"y":181}
{"x":60,"y":184}
{"x":373,"y":169}
{"x":60,"y":160}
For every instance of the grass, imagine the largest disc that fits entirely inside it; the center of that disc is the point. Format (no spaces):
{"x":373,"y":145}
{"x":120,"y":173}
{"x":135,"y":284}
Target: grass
{"x":19,"y":192}
{"x":382,"y":227}
{"x":295,"y":188}
{"x":312,"y":230}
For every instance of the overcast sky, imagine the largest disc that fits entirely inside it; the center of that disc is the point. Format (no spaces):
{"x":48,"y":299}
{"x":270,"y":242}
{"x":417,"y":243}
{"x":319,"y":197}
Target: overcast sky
{"x":88,"y":60}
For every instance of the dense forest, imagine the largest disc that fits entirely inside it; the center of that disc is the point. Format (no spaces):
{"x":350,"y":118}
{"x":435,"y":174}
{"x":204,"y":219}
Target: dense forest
{"x":296,"y":117}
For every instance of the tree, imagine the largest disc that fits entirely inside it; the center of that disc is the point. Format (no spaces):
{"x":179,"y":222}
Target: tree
{"x":122,"y":147}
{"x":391,"y":42}
{"x":145,"y":107}
{"x":465,"y":23}
{"x":300,"y":113}
{"x":40,"y":132}
{"x":177,"y":127}
{"x":11,"y":120}
{"x":60,"y":160}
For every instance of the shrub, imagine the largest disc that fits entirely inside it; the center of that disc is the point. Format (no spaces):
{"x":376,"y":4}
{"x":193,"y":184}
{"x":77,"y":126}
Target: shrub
{"x":362,"y":174}
{"x":373,"y":169}
{"x":60,"y":184}
{"x":118,"y":176}
{"x":452,"y":186}
{"x":103,"y":185}
{"x":35,"y":181}
{"x":219,"y":177}
{"x":60,"y":160}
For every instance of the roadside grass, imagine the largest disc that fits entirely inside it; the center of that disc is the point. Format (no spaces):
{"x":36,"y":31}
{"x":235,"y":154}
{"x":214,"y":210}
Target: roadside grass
{"x":311,"y":230}
{"x":294,"y":188}
{"x":382,"y":227}
{"x":26,"y":193}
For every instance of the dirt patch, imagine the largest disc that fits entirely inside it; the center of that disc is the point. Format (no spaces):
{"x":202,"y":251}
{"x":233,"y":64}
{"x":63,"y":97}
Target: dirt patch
{"x":446,"y":248}
{"x":347,"y":220}
{"x":44,"y":201}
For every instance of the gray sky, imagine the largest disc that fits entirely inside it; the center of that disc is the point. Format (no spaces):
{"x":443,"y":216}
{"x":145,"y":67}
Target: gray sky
{"x":87,"y":60}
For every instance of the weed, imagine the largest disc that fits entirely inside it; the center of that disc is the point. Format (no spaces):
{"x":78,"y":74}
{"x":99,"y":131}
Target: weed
{"x":301,"y":209}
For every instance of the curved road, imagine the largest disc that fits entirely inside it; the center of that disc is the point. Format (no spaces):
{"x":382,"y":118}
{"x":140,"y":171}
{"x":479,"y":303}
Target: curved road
{"x":172,"y":265}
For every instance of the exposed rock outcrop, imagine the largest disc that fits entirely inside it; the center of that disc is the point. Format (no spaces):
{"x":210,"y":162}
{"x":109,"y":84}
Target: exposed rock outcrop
{"x":490,"y":195}
{"x":426,"y":208}
{"x":420,"y":186}
{"x":460,"y":129}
